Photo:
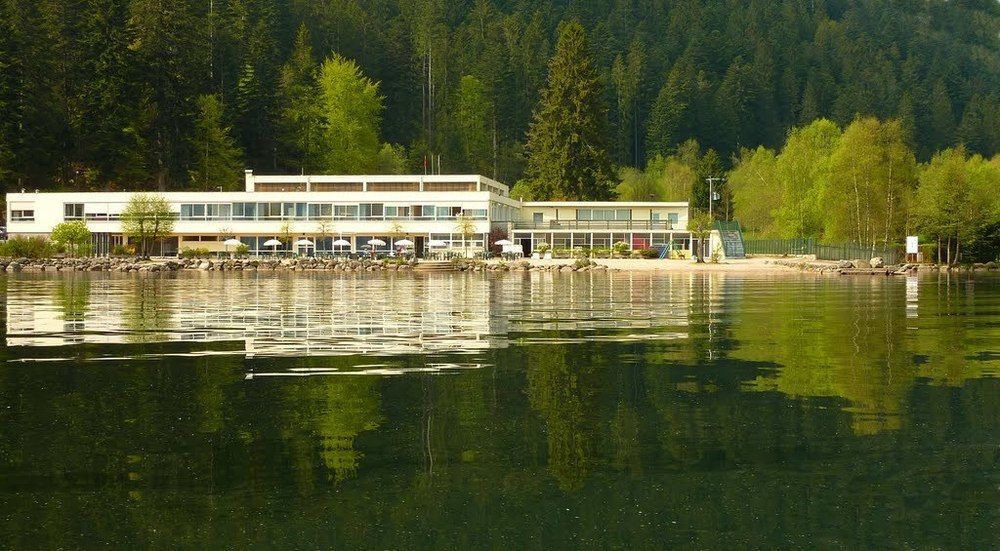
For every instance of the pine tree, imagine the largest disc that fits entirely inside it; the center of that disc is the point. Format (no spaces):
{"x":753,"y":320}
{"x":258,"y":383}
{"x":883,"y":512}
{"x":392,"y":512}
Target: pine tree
{"x":217,"y":159}
{"x":567,"y":151}
{"x":980,"y":127}
{"x":942,"y":115}
{"x":300,"y":119}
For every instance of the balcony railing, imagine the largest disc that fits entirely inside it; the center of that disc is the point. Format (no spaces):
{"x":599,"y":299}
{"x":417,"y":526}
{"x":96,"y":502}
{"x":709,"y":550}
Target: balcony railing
{"x":594,"y":225}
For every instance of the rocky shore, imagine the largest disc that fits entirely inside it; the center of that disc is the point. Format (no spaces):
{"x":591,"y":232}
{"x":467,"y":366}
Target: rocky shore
{"x":134,"y":265}
{"x":875,"y":266}
{"x":298,"y":264}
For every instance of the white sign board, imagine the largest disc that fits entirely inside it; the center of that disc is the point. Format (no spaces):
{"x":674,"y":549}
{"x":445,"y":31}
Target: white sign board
{"x":911,"y":244}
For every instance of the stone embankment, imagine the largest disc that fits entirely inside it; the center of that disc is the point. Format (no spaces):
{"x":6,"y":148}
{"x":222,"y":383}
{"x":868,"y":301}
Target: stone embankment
{"x":218,"y":265}
{"x":875,"y":266}
{"x":302,"y":264}
{"x":526,"y":266}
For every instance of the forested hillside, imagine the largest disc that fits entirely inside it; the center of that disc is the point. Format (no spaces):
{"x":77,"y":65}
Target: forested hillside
{"x":168,"y":94}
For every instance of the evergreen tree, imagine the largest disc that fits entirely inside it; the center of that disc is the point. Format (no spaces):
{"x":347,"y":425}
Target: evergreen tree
{"x":567,"y":151}
{"x":300,"y":116}
{"x":980,"y":127}
{"x":217,"y":158}
{"x":942,"y":116}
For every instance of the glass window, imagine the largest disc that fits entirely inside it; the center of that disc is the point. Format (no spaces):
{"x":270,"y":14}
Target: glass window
{"x":345,"y":212}
{"x":584,"y":214}
{"x":300,"y":210}
{"x":390,"y":211}
{"x":73,"y":211}
{"x":672,"y":217}
{"x":22,"y":215}
{"x":371,"y":210}
{"x":443,"y":212}
{"x":197,"y":211}
{"x":185,"y":212}
{"x":623,"y":214}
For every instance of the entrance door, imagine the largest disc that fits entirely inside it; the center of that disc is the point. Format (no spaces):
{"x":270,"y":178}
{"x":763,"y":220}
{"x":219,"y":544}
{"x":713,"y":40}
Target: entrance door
{"x":418,"y":246}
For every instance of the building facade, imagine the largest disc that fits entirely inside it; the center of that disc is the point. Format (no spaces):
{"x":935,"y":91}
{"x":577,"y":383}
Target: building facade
{"x":324,"y":210}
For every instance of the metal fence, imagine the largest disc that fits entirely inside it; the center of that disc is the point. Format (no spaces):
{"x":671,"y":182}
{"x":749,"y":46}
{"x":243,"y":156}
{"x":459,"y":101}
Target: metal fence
{"x":823,"y":251}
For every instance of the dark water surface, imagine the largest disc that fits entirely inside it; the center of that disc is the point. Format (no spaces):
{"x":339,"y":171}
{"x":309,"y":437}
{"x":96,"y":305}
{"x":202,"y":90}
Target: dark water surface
{"x":463,"y":411}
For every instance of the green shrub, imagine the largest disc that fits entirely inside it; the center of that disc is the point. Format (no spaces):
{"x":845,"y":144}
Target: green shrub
{"x":120,"y":250}
{"x":649,"y":253}
{"x":26,"y":247}
{"x":194,"y":253}
{"x":600,"y":252}
{"x":620,"y":248}
{"x":242,"y":249}
{"x":582,"y":263}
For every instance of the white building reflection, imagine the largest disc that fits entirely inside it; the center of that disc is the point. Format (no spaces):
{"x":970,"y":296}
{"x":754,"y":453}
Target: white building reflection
{"x":338,"y":314}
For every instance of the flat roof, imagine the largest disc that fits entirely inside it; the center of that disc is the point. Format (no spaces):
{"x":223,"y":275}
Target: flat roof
{"x":605,"y":204}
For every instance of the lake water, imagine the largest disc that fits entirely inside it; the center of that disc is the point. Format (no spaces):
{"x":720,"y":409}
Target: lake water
{"x":469,"y":411}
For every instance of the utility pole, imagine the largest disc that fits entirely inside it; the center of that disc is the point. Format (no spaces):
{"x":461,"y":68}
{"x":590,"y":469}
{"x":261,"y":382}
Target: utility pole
{"x":711,"y":192}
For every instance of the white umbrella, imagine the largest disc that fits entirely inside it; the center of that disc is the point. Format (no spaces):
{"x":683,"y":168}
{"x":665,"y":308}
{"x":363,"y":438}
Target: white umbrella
{"x":231,"y":242}
{"x":304,"y":243}
{"x":437,"y":243}
{"x":376,"y":242}
{"x":272,"y":243}
{"x":341,"y":243}
{"x":503,"y":242}
{"x":403,"y":243}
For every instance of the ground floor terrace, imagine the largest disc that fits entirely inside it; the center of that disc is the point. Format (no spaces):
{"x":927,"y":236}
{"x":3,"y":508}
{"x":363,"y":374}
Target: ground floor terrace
{"x":562,"y":243}
{"x":304,"y":244}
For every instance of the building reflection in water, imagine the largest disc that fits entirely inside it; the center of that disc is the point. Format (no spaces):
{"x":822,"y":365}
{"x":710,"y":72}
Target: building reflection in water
{"x":327,"y":314}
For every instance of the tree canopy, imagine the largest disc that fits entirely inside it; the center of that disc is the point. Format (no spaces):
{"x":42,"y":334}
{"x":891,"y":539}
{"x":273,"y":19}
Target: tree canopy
{"x":103,"y":94}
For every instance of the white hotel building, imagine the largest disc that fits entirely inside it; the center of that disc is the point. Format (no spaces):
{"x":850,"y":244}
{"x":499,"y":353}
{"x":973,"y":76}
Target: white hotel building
{"x":324,"y":208}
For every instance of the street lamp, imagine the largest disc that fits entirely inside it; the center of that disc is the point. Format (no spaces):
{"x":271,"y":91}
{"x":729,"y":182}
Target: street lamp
{"x":711,"y":192}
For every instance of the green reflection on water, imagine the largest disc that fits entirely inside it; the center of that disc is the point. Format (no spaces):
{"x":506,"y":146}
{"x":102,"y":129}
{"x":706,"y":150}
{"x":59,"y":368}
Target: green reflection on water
{"x":766,"y":412}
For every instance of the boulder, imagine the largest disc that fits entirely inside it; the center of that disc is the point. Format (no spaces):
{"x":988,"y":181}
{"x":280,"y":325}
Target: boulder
{"x":858,"y":263}
{"x":845,"y":264}
{"x":877,"y":262}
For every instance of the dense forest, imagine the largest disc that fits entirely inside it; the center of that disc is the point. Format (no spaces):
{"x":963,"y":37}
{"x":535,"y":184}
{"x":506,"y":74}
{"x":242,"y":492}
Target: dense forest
{"x":99,"y":94}
{"x":790,"y":101}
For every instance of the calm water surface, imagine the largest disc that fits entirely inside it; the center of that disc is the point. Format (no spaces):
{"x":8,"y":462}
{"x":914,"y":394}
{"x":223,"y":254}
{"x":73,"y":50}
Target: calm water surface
{"x":463,"y":411}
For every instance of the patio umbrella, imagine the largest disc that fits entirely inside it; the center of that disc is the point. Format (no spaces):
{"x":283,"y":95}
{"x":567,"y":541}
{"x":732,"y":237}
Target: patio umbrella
{"x":503,"y":242}
{"x":376,"y":242}
{"x":231,"y":242}
{"x":272,"y":243}
{"x":437,"y":243}
{"x":303,"y":243}
{"x":341,"y":243}
{"x":403,"y":243}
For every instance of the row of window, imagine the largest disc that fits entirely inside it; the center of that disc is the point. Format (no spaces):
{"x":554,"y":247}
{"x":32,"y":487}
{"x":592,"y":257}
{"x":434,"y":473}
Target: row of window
{"x":321,"y":211}
{"x":22,"y":216}
{"x":617,"y":214}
